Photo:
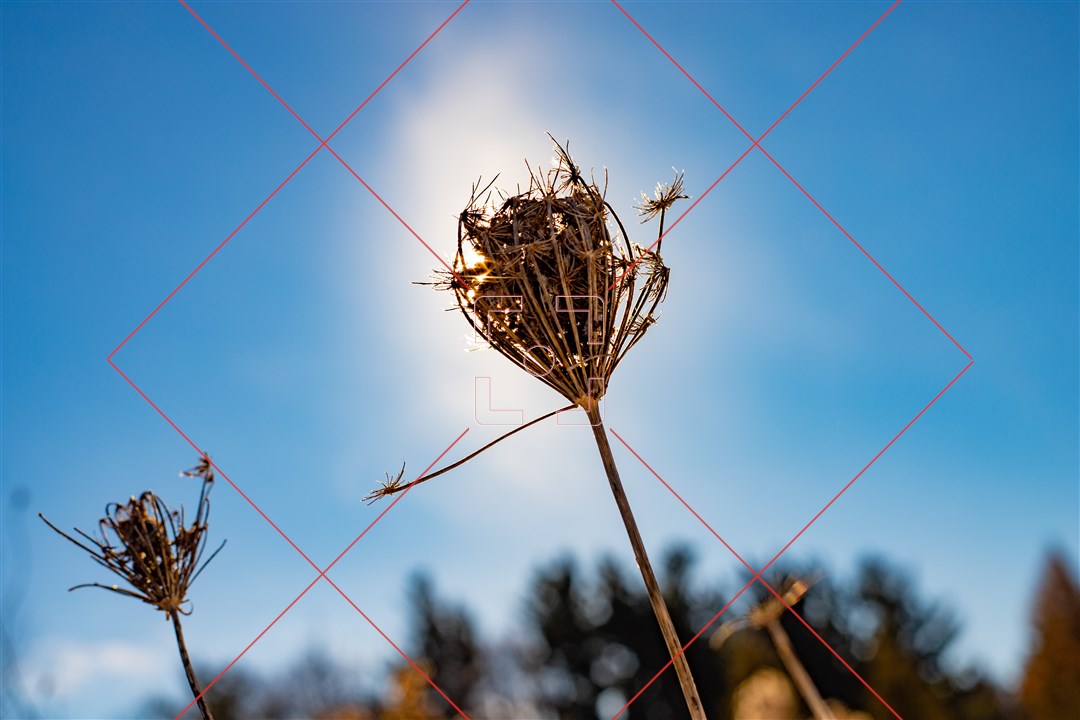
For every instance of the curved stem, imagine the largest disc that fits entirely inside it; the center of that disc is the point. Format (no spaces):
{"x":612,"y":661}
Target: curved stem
{"x":393,"y":489}
{"x":656,"y":597}
{"x":193,"y":681}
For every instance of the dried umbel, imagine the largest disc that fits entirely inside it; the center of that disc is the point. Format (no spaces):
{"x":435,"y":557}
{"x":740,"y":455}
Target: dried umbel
{"x":549,"y":278}
{"x":150,"y":546}
{"x":155,"y":552}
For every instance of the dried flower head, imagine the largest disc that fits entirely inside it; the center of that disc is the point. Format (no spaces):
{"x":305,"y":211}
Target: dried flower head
{"x":665,"y":197}
{"x":391,"y":485}
{"x":549,"y":278}
{"x":150,"y":546}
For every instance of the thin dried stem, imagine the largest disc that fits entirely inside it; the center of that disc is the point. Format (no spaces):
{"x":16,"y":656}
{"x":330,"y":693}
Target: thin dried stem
{"x":193,"y":681}
{"x":656,"y":597}
{"x":393,"y":486}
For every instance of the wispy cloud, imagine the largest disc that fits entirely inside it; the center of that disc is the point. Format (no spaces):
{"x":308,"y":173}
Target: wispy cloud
{"x":59,"y":669}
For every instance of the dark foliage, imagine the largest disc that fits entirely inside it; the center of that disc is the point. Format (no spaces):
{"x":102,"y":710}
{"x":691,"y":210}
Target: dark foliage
{"x":597,"y":642}
{"x":593,"y":644}
{"x":446,"y":642}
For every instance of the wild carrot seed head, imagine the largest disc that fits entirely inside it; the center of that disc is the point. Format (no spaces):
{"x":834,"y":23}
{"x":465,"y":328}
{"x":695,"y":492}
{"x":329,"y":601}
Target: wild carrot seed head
{"x":550,"y":279}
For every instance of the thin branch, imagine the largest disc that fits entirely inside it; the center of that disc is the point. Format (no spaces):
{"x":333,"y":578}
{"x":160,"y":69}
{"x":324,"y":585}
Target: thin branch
{"x":392,"y":487}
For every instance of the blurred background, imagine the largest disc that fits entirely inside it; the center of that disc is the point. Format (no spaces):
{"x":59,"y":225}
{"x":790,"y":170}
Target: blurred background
{"x":306,"y":361}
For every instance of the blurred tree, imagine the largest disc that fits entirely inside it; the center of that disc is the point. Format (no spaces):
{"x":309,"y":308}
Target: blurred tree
{"x":902,"y":643}
{"x":597,"y":646}
{"x":410,"y":695}
{"x":446,"y":641}
{"x":563,"y":658}
{"x":1050,"y":689}
{"x":314,"y":688}
{"x":592,"y":643}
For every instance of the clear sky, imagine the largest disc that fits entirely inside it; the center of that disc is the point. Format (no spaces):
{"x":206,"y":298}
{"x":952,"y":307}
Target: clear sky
{"x":306,"y":362}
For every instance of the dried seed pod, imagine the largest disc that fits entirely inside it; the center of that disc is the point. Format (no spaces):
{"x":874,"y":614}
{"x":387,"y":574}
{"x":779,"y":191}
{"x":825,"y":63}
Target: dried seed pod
{"x":150,"y":546}
{"x":550,"y":279}
{"x":157,"y":554}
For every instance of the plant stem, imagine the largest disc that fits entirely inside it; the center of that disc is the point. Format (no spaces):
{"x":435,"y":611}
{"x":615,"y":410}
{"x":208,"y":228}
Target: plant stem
{"x":390,"y":489}
{"x":663,"y":617}
{"x":193,"y":681}
{"x":798,"y":672}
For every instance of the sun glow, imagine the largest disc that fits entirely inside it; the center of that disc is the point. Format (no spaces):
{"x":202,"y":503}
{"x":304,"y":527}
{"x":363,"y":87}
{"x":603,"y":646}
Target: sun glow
{"x":471,"y":257}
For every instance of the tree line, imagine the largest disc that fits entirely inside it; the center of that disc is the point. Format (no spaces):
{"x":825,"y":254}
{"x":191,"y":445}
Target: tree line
{"x":589,"y":643}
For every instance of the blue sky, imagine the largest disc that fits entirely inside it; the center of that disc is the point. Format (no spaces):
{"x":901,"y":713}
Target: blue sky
{"x":306,"y":362}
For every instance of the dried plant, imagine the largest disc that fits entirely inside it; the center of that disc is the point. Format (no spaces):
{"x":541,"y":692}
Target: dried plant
{"x":549,"y":278}
{"x":544,"y":279}
{"x":156,"y":553}
{"x":766,"y":616}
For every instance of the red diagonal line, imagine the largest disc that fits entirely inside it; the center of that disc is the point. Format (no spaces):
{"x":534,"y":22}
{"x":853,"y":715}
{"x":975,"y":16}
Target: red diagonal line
{"x":754,"y":143}
{"x":718,"y":105}
{"x":867,"y":254}
{"x":215,"y":251}
{"x":867,"y":466}
{"x":679,"y":498}
{"x":250,"y":69}
{"x":399,"y":497}
{"x":399,"y":650}
{"x":202,"y":453}
{"x":827,"y":505}
{"x":690,"y":642}
{"x":249,"y":646}
{"x":394,"y":213}
{"x":679,"y":219}
{"x":323,"y":144}
{"x":322,"y":572}
{"x":681,"y":69}
{"x":398,"y":69}
{"x":207,"y":259}
{"x":830,"y":648}
{"x":831,"y":68}
{"x":360,"y":107}
{"x":757,"y":573}
{"x":692,"y":206}
{"x":322,"y":575}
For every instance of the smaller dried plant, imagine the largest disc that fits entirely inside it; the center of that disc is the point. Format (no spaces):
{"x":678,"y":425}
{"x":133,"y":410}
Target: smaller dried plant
{"x":156,"y":553}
